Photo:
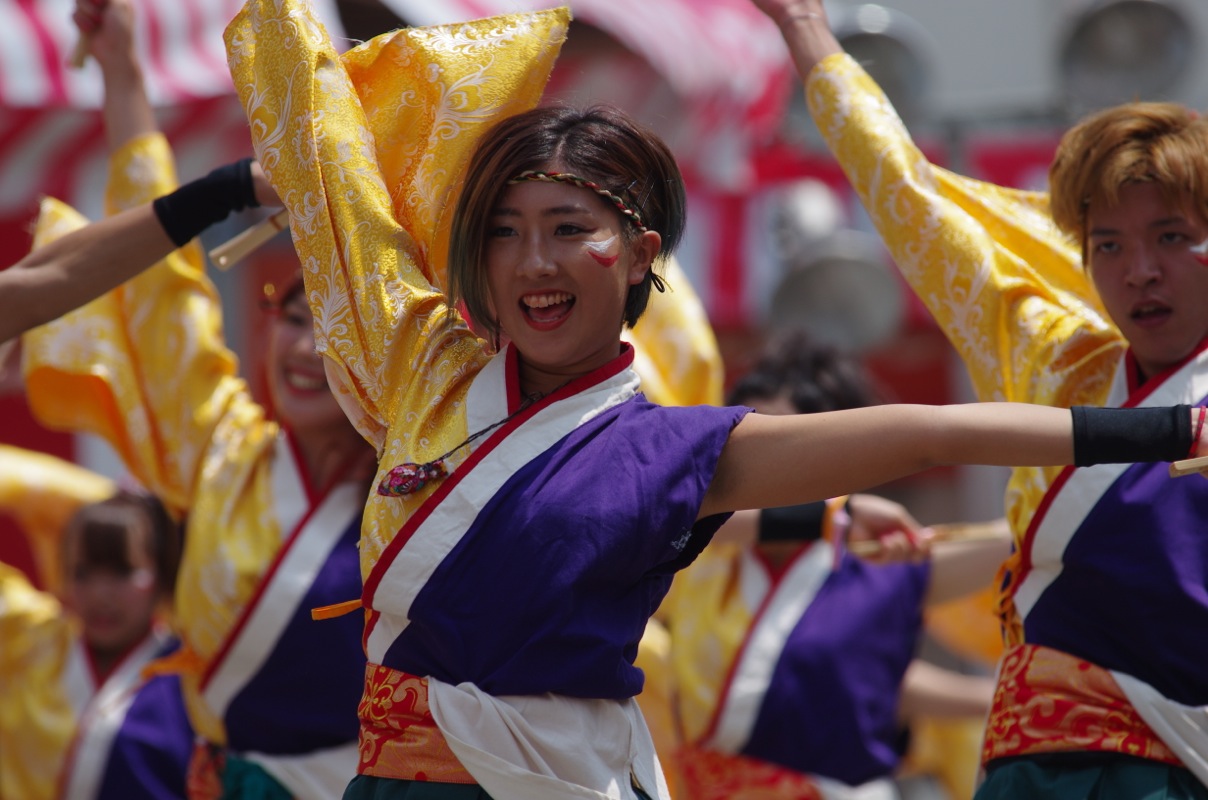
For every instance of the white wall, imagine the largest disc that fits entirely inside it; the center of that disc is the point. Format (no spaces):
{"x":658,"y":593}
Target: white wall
{"x":997,"y":58}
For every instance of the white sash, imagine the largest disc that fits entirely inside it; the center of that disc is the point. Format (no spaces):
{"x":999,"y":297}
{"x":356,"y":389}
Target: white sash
{"x":102,"y":718}
{"x":548,"y":747}
{"x":306,"y":551}
{"x":743,"y":695}
{"x":399,"y":577}
{"x":313,"y":534}
{"x":1184,"y":729}
{"x":545,"y":747}
{"x":1075,"y":497}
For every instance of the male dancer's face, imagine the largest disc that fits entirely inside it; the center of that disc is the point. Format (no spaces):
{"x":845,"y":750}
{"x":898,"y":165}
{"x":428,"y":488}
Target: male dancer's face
{"x":1154,"y":288}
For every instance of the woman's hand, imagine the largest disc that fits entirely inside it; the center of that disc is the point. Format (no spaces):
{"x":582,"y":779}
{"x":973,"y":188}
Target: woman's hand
{"x":783,"y":12}
{"x":266,"y":195}
{"x":805,"y":28}
{"x":883,"y":531}
{"x":109,"y":26}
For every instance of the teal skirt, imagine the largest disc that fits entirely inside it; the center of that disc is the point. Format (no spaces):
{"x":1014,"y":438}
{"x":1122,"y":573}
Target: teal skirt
{"x":365,"y":787}
{"x":243,"y":780}
{"x":1088,"y":777}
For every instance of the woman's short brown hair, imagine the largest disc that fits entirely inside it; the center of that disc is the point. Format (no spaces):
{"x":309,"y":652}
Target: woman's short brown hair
{"x":1161,"y":143}
{"x":601,"y":144}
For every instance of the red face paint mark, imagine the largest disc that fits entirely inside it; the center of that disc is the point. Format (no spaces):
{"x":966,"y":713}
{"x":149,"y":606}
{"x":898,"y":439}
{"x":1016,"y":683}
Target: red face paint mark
{"x":599,"y":250}
{"x":1200,"y":251}
{"x":603,"y":260}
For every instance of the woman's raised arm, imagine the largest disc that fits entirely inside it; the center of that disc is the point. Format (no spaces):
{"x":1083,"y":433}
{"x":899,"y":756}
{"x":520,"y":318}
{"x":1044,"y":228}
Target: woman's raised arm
{"x":366,"y":149}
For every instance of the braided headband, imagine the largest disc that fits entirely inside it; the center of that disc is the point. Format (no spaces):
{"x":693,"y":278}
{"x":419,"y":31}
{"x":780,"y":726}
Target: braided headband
{"x":566,"y":177}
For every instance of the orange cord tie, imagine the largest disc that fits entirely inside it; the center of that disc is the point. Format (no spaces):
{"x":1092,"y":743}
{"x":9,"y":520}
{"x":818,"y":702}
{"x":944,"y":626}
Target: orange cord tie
{"x":335,"y":610}
{"x":184,"y":661}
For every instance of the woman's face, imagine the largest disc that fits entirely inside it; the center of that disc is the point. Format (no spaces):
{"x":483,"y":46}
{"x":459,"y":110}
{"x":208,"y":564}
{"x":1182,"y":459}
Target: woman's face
{"x":297,"y":382}
{"x":115,"y":605}
{"x":559,"y":270}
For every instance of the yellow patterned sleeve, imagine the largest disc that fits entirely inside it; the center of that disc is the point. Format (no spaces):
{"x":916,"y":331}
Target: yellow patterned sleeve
{"x":145,"y":366}
{"x":366,"y":152}
{"x":141,"y":170}
{"x":42,"y":493}
{"x":708,"y":617}
{"x":1007,"y":288}
{"x":36,"y":720}
{"x":675,"y":351}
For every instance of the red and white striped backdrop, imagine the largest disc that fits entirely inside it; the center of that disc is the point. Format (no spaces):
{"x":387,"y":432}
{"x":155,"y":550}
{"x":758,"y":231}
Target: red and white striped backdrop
{"x":51,"y":139}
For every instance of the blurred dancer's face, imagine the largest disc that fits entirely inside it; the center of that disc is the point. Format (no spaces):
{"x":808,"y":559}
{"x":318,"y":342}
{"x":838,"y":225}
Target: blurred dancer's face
{"x":114,"y":600}
{"x":1153,"y":287}
{"x":297,"y":382}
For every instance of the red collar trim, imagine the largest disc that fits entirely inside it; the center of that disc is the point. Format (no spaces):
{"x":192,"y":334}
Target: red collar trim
{"x":1138,"y":390}
{"x":598,"y":375}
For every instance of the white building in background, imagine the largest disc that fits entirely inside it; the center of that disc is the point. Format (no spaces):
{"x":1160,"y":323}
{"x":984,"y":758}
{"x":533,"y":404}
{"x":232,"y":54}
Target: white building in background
{"x":1004,"y":60}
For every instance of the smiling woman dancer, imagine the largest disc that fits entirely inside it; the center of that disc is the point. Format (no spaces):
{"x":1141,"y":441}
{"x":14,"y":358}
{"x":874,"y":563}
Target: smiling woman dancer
{"x":1090,"y":294}
{"x":531,"y":507}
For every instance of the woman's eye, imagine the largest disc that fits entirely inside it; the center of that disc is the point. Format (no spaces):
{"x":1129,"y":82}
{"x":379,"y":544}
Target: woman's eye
{"x":568,"y":229}
{"x":1106,"y":248}
{"x":500,"y":231}
{"x":294,"y":316}
{"x":1173,"y":237}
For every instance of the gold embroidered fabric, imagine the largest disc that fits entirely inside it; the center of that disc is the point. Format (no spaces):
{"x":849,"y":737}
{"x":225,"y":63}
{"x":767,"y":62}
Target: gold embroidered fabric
{"x":1005,"y":285}
{"x":42,"y":493}
{"x":366,"y":151}
{"x":675,"y":350}
{"x":709,"y":618}
{"x":146,"y":368}
{"x":37,"y":720}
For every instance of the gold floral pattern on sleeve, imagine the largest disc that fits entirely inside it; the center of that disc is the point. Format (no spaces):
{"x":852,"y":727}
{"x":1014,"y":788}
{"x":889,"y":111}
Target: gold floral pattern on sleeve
{"x":366,"y":151}
{"x":146,"y":368}
{"x":675,"y":350}
{"x":1004,"y":284}
{"x":1007,"y":288}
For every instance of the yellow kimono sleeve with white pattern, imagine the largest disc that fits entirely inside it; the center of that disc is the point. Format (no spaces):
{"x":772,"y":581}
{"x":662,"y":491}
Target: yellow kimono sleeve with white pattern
{"x":367,"y":150}
{"x":675,"y":349}
{"x":1008,"y":289}
{"x":146,"y":368}
{"x":37,"y":721}
{"x":42,"y":493}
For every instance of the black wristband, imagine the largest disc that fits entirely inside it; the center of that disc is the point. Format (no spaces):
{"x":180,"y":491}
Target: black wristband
{"x":801,"y":523}
{"x":199,"y":204}
{"x":1130,"y":435}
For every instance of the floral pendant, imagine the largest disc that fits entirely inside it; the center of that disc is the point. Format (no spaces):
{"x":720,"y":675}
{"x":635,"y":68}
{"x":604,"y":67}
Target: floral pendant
{"x":411,"y":477}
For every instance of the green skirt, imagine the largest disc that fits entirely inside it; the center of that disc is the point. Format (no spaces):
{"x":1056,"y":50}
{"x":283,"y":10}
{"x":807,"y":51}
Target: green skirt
{"x":243,"y":780}
{"x":365,"y":787}
{"x":1088,"y":777}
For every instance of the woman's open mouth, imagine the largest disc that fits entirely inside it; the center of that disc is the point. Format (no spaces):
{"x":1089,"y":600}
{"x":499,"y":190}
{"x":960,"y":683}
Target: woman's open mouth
{"x":547,"y":310}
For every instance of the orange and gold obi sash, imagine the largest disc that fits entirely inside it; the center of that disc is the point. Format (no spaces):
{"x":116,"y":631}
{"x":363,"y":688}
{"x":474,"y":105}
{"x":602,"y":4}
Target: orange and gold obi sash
{"x":712,"y":775}
{"x":1048,"y":701}
{"x":399,"y":738}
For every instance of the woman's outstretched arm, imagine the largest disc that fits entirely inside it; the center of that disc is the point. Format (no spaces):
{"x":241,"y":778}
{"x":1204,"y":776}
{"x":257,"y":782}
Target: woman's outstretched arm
{"x":79,"y":267}
{"x":784,"y":460}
